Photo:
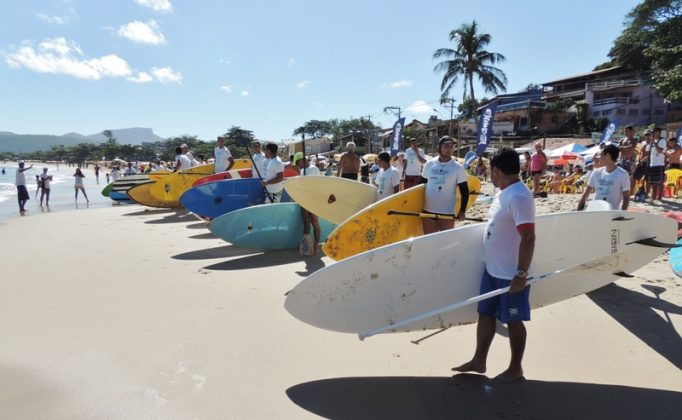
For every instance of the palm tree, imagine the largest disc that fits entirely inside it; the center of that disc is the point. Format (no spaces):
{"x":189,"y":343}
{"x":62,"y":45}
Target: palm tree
{"x":468,"y":59}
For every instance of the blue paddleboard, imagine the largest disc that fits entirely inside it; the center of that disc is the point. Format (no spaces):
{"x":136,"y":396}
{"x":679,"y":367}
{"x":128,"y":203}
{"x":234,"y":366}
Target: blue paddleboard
{"x":119,"y":196}
{"x":468,"y":158}
{"x":214,"y":199}
{"x":675,"y":259}
{"x":265,"y":227}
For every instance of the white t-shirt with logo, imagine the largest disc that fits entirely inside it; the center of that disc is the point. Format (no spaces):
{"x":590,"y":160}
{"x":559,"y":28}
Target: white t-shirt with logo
{"x":222,"y":159}
{"x":386,"y":182}
{"x":511,"y":207}
{"x":258,"y":161}
{"x":610,"y":186}
{"x":657,"y":158}
{"x":413,"y":165}
{"x":440,"y":195}
{"x":271,"y":167}
{"x":185,"y":162}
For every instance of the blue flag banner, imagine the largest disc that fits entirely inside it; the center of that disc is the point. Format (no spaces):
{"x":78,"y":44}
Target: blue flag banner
{"x":397,"y":138}
{"x":679,"y":135}
{"x":485,"y":128}
{"x":609,"y":130}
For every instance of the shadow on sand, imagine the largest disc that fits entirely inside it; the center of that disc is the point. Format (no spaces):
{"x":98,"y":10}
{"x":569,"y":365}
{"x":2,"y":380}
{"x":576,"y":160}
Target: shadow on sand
{"x":199,"y":225}
{"x":467,"y":396}
{"x":312,"y":264}
{"x":149,"y":212}
{"x":635,"y":311}
{"x":260,"y":260}
{"x":207,"y":235}
{"x":180,"y":216}
{"x":212,"y":253}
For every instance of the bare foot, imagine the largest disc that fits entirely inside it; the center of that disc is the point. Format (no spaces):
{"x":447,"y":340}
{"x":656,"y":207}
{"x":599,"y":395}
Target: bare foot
{"x":471,"y":366}
{"x":509,"y":376}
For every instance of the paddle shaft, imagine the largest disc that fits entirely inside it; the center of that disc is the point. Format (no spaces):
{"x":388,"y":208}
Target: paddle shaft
{"x":431,"y":216}
{"x":474,"y":299}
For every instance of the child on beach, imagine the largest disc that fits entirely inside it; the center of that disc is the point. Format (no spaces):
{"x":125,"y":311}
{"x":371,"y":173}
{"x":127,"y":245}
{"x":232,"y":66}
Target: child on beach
{"x":79,"y":184}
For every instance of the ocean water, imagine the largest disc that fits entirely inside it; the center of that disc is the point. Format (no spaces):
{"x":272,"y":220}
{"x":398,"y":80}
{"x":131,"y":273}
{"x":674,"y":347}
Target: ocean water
{"x":61,"y":192}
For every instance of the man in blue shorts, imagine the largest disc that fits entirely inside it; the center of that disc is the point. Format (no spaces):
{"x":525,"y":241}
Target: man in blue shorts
{"x":509,"y":243}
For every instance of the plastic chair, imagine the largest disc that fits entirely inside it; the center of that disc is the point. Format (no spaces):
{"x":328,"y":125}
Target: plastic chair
{"x":672,"y":180}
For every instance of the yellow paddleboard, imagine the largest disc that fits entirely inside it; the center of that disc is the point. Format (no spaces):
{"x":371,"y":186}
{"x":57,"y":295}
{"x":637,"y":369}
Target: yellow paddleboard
{"x":141,"y":195}
{"x":374,"y":227}
{"x":169,"y":189}
{"x":331,"y":198}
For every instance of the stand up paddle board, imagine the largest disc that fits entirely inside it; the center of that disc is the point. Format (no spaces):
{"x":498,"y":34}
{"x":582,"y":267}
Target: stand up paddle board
{"x":330,"y":197}
{"x":141,"y":195}
{"x":106,"y":190}
{"x":405,"y":279}
{"x":237,"y":174}
{"x":265,"y":227}
{"x":374,"y":227}
{"x":169,"y":189}
{"x":675,"y":259}
{"x":120,"y":187}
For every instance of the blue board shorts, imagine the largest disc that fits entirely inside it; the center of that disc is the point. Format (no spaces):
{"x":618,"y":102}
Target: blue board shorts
{"x":507,"y":307}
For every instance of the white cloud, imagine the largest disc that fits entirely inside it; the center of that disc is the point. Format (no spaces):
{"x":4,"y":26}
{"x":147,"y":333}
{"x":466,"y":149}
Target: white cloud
{"x":157,"y":5}
{"x":245,"y":93}
{"x":224,"y":61}
{"x":420,"y":107}
{"x":226,"y":88}
{"x":304,"y":84}
{"x":142,"y":33}
{"x":61,"y":56}
{"x":398,"y":84}
{"x":142,"y":77}
{"x":58,"y":20}
{"x":292,"y":62}
{"x":167,"y":75}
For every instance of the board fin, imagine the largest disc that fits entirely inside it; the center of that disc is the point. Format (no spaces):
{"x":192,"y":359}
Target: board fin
{"x":653,"y":242}
{"x":622,"y":219}
{"x":623,"y":274}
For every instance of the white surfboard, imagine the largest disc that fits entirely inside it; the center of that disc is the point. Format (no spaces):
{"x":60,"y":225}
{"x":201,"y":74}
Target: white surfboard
{"x":401,"y":280}
{"x":598,"y":205}
{"x":331,"y":198}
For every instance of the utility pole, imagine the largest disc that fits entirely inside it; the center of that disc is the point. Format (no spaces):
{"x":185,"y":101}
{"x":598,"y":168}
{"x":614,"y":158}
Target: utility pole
{"x":392,"y":109}
{"x":450,"y":103}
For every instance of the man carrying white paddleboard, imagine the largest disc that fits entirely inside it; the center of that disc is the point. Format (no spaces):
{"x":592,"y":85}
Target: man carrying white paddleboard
{"x":611,"y":182}
{"x":443,"y":175}
{"x":508,"y":246}
{"x":308,"y":245}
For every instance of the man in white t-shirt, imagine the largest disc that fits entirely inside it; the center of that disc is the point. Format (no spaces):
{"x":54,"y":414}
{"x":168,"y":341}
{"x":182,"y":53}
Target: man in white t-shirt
{"x":508,"y":247}
{"x":20,"y":182}
{"x":414,"y":161}
{"x":189,"y":155}
{"x":182,"y":162}
{"x":258,"y":159}
{"x":130,"y":170}
{"x":46,"y":180}
{"x":655,"y":174}
{"x":443,"y":175}
{"x":388,"y":178}
{"x":301,"y":165}
{"x":223,"y":157}
{"x":273,"y":174}
{"x":611,"y":183}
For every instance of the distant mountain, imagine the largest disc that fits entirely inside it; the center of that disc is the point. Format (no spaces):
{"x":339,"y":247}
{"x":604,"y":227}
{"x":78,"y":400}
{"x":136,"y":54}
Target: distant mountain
{"x":26,"y":143}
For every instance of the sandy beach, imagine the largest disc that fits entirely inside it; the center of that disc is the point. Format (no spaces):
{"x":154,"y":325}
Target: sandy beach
{"x":132,"y":313}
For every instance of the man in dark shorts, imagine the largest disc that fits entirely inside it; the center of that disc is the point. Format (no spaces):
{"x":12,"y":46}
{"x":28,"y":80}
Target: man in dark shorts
{"x":655,"y":174}
{"x":20,"y":182}
{"x":509,"y":244}
{"x":349,"y":164}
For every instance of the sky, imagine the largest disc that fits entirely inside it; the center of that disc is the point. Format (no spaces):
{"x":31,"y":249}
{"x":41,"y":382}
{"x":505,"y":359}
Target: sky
{"x":199,"y":67}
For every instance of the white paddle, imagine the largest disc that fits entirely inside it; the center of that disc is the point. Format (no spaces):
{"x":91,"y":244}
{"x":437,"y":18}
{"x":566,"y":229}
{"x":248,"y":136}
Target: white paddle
{"x":614,"y":263}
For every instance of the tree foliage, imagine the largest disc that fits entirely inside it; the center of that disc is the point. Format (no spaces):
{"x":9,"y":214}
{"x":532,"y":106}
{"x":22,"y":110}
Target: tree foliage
{"x":469,"y":58}
{"x":651,"y":41}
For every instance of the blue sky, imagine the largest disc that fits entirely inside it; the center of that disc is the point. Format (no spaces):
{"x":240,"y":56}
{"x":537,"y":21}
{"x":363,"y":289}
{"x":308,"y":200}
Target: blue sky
{"x":198,"y":67}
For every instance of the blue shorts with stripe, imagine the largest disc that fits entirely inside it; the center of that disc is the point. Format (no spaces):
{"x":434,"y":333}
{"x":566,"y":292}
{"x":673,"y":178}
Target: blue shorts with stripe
{"x":507,"y":307}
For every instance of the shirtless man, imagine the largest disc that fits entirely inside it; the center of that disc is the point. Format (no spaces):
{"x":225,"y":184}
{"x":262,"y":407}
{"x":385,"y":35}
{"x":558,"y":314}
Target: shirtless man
{"x":626,"y":146}
{"x":349,"y":165}
{"x":673,"y":153}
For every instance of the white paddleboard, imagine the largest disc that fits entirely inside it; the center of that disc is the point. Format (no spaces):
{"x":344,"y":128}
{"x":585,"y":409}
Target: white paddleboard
{"x":331,"y":198}
{"x":401,"y":280}
{"x":598,"y":205}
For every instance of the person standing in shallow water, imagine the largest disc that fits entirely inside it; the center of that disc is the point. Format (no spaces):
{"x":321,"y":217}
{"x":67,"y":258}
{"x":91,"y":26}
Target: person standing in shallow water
{"x":79,"y":184}
{"x":20,"y":182}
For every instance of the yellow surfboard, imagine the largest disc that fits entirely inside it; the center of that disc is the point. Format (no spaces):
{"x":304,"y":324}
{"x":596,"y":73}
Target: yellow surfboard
{"x":169,"y":189}
{"x":141,"y":195}
{"x":374,"y":227}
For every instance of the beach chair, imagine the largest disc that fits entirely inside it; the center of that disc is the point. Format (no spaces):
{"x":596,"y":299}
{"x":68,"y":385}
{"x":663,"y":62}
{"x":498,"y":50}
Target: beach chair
{"x":672,"y":181}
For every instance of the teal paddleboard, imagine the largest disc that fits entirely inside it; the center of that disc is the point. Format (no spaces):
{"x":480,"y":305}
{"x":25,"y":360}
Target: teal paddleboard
{"x":265,"y":227}
{"x":675,"y":259}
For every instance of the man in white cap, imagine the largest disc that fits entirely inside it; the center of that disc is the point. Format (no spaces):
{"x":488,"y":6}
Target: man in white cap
{"x":189,"y":155}
{"x":20,"y":182}
{"x":349,"y":164}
